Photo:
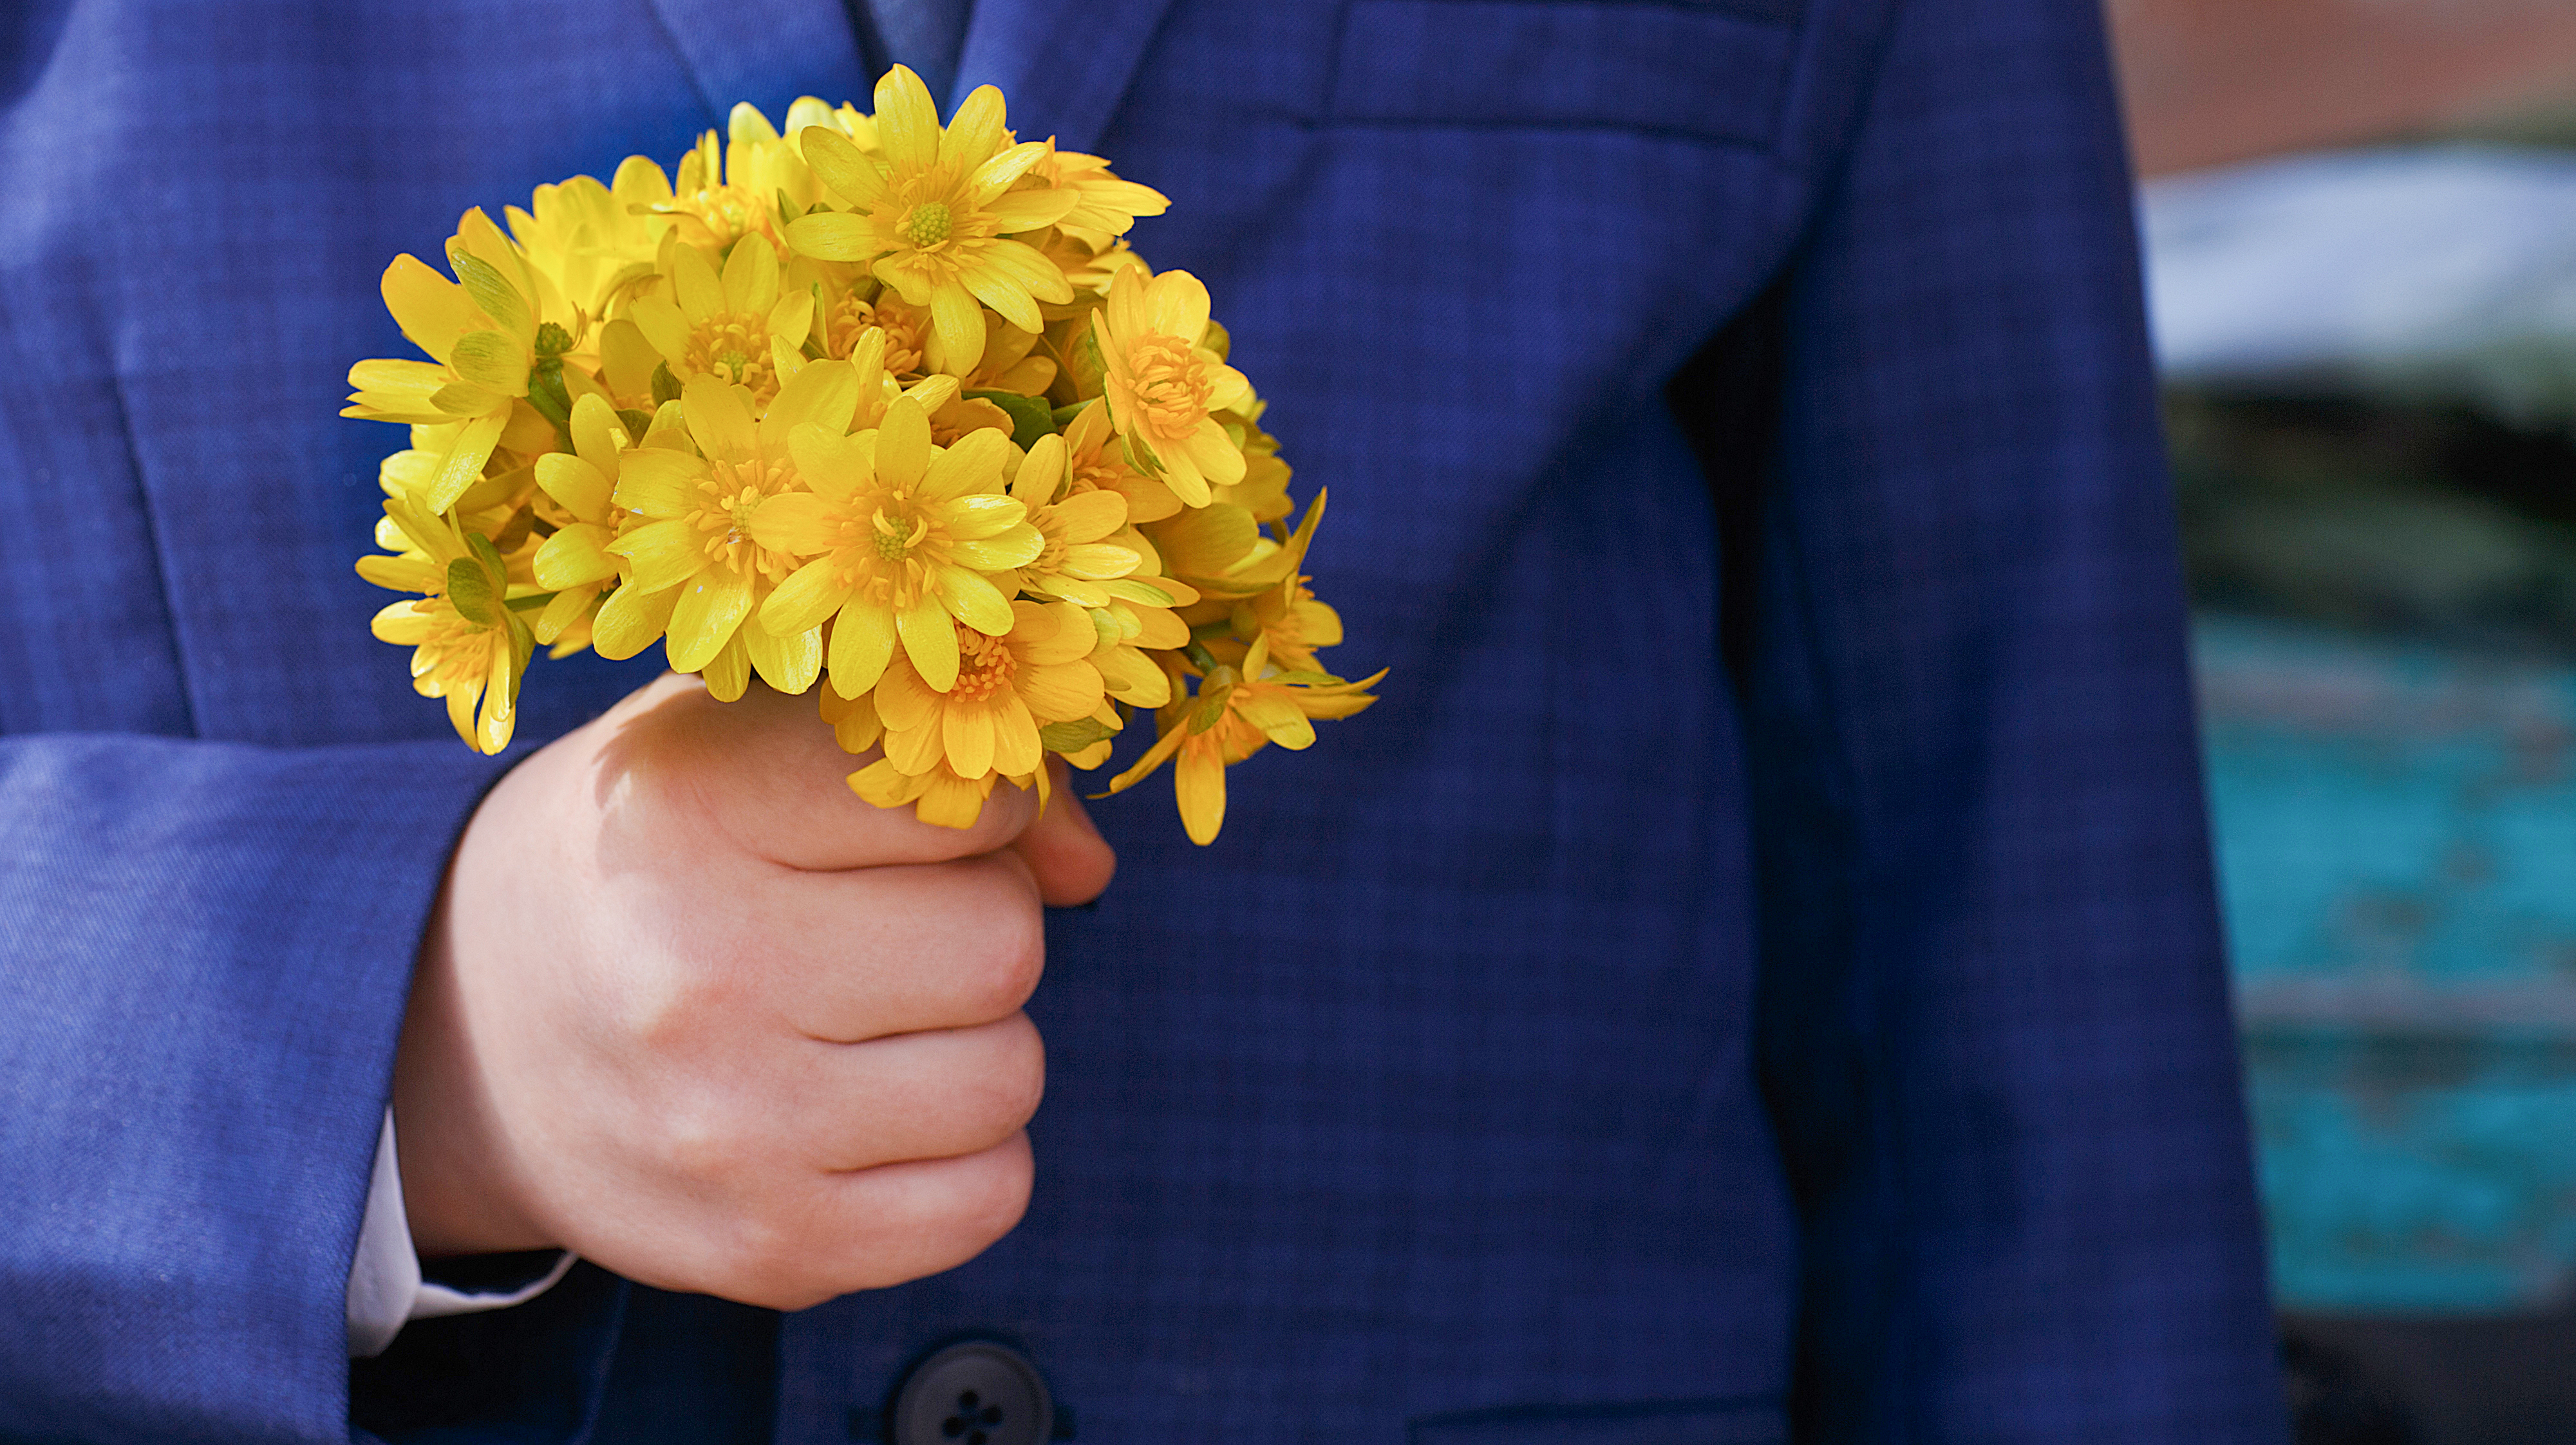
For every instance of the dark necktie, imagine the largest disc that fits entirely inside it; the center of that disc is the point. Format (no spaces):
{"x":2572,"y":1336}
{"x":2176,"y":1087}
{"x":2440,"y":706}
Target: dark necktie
{"x":924,"y":34}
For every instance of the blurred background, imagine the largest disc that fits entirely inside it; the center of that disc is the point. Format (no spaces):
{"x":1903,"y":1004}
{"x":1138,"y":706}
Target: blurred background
{"x":2360,"y":219}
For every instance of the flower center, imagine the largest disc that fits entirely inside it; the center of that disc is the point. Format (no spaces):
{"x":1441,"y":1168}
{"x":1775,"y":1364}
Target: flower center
{"x":926,"y":225}
{"x":726,"y":500}
{"x":851,"y":319}
{"x":1171,"y":386}
{"x":735,"y":349}
{"x":890,"y":554}
{"x":985,"y":666}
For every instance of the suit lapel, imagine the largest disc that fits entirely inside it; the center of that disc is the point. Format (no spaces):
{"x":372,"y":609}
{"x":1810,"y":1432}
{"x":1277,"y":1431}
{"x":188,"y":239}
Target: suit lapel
{"x":767,"y":52}
{"x":1063,"y":64}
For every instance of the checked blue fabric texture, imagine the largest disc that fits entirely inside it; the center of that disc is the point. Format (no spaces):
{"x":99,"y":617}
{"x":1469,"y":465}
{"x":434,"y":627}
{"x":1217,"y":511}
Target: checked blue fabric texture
{"x":1754,"y":978}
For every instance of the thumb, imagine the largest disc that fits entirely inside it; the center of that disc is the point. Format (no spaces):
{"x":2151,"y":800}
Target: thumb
{"x":1071,"y":861}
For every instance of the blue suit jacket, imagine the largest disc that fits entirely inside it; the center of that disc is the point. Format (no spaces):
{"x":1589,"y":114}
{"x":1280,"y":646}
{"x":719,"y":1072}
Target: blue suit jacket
{"x":1753,"y":977}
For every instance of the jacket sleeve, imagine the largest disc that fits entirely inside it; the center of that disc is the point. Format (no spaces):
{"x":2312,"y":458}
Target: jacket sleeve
{"x":1995,"y":1023}
{"x":204,"y":955}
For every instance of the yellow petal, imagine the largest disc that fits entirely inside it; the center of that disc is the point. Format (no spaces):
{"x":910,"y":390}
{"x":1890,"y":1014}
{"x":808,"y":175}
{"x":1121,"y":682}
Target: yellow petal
{"x":664,"y":553}
{"x":973,"y":464}
{"x":653,"y":482}
{"x":903,"y":700}
{"x":958,"y":322}
{"x":790,"y":663}
{"x":573,"y":556}
{"x":1008,"y":298}
{"x":1065,"y":635}
{"x":1176,"y":304}
{"x":695,"y":286}
{"x":840,"y":165}
{"x":1269,"y":709}
{"x":822,"y":396}
{"x":972,"y":600}
{"x":886,"y":785}
{"x":1090,"y":516}
{"x":711,"y":609}
{"x":432,"y":310}
{"x":903,"y":444}
{"x":1212,"y":454}
{"x":582,"y":488}
{"x":907,"y":120}
{"x":659,"y":318}
{"x":800,"y":523}
{"x":719,"y":418}
{"x":1099,"y":561}
{"x":594,"y":438}
{"x":631,"y":620}
{"x":1061,"y":691}
{"x":949,"y":802}
{"x":728,"y":673}
{"x":981,"y":515}
{"x":1198,"y":784}
{"x":833,"y":236}
{"x":810,"y":594}
{"x":916,"y":749}
{"x":862,"y":640}
{"x":834,"y":466}
{"x":1029,"y":267}
{"x":1016,"y":748}
{"x":931,"y":641}
{"x":966,"y":730}
{"x":974,"y":132}
{"x":750,"y":280}
{"x":1042,"y":472}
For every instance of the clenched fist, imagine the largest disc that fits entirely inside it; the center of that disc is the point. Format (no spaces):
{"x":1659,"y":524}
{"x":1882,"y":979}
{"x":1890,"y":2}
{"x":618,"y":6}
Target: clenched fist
{"x":694,"y":1011}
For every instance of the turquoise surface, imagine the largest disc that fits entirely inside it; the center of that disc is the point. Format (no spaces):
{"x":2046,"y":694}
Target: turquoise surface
{"x":2397,"y":854}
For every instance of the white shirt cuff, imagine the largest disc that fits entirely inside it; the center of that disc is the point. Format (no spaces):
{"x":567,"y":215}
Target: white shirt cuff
{"x":386,"y":1291}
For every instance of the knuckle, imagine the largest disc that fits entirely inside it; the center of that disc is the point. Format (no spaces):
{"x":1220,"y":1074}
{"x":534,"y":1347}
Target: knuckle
{"x":999,"y":972}
{"x":699,"y":1142}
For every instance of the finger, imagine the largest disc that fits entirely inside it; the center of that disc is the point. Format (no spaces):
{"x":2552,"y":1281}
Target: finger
{"x":847,"y":957}
{"x":830,"y":1234}
{"x":764,"y":773}
{"x":920,"y":1218}
{"x":1071,"y":861}
{"x":936,"y":1095}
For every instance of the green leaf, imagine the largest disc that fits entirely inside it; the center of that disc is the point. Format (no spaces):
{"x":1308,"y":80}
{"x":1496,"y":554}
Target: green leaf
{"x":1073,"y":737}
{"x":1063,"y":416}
{"x":666,"y":387}
{"x":530,"y":603}
{"x":1030,"y":418}
{"x":636,"y":422}
{"x":490,"y":557}
{"x":498,"y":298}
{"x":492,"y":361}
{"x":470,"y":591}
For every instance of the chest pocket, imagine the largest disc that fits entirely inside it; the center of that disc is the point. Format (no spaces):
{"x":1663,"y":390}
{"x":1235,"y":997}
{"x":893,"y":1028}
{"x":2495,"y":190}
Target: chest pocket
{"x":1708,"y":70}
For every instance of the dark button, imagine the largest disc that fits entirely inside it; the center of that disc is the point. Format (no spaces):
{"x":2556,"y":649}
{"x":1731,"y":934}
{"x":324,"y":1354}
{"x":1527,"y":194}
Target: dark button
{"x":977,"y":1393}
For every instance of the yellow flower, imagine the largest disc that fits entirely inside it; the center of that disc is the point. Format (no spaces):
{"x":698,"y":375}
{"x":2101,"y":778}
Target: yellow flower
{"x":902,"y":534}
{"x":1238,"y":712}
{"x":1105,"y":206}
{"x":932,"y":216}
{"x":1074,"y":561}
{"x":484,"y":330}
{"x":1291,"y":619}
{"x":737,"y":328}
{"x":906,"y":328}
{"x":691,"y":536}
{"x":1006,"y":689}
{"x":1098,"y":466}
{"x":942,"y":798}
{"x":467,"y":645}
{"x":575,"y":563}
{"x":723,"y":194}
{"x":1163,"y":387}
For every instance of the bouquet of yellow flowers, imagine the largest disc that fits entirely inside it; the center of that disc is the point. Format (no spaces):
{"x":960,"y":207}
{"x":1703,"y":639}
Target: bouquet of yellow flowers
{"x":879,"y":404}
